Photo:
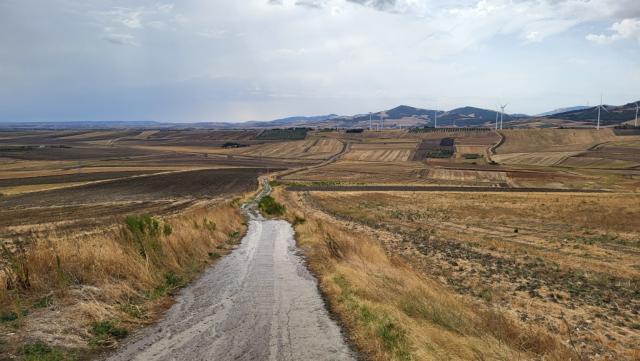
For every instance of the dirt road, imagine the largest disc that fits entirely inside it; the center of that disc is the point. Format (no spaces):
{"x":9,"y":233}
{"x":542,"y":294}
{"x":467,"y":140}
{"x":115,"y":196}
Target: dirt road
{"x":257,"y":303}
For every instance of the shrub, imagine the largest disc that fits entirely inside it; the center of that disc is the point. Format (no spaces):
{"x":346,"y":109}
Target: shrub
{"x":144,"y":224}
{"x":269,"y":206}
{"x":143,"y":231}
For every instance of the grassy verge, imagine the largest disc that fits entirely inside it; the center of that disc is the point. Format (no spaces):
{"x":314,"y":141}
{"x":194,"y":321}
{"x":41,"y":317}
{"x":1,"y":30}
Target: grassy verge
{"x":392,"y":312}
{"x":102,"y":286}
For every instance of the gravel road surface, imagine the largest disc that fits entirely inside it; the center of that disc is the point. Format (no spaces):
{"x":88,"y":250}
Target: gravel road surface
{"x":257,"y":303}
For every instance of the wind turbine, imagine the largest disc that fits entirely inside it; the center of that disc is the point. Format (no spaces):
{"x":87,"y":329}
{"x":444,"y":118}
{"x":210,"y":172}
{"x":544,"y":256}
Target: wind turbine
{"x":381,"y":122}
{"x":637,"y":107}
{"x":435,"y":118}
{"x":599,"y":107}
{"x":370,"y":121}
{"x":496,"y":118}
{"x":502,"y":113}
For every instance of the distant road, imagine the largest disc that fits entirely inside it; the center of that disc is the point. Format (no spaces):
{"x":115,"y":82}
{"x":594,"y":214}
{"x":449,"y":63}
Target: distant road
{"x":258,"y":303}
{"x":392,"y":188}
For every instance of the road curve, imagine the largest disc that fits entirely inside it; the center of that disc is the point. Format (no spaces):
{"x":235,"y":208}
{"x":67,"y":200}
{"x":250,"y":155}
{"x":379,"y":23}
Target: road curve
{"x":257,"y":303}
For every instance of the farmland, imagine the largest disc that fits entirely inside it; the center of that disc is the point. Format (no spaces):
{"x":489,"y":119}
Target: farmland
{"x":64,"y":199}
{"x":539,"y":258}
{"x":498,"y":275}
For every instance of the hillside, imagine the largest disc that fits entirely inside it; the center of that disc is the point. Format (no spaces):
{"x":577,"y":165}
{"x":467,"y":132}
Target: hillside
{"x":470,"y":116}
{"x":562,"y":110}
{"x":615,"y":114}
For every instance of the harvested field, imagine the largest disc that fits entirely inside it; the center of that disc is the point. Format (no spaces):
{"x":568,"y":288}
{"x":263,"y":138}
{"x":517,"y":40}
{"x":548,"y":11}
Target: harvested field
{"x":76,"y":152}
{"x":175,"y":185}
{"x":73,"y":177}
{"x":541,"y":159}
{"x":363,"y":172}
{"x":310,"y":149}
{"x":541,"y":259}
{"x":283,"y":134}
{"x":588,"y":161}
{"x":380,"y":152}
{"x":553,"y":140}
{"x":468,"y":176}
{"x":101,"y":202}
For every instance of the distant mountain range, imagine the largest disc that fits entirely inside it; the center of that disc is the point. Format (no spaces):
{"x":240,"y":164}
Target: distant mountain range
{"x":400,"y":116}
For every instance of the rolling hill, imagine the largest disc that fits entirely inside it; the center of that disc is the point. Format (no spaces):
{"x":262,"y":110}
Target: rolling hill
{"x":400,"y":116}
{"x":614,"y":116}
{"x":563,"y":110}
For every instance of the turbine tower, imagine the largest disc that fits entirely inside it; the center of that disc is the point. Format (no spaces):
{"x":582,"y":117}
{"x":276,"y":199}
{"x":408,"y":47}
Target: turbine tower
{"x":496,"y":118}
{"x":435,"y":118}
{"x":370,"y":121}
{"x":637,"y":107}
{"x":600,"y":107}
{"x":502,"y":113}
{"x":381,"y":122}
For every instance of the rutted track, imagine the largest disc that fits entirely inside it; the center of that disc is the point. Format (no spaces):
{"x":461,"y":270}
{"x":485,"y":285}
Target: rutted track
{"x":258,"y":303}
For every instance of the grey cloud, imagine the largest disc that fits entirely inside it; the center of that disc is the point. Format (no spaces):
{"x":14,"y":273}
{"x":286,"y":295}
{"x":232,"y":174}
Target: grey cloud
{"x":315,"y":4}
{"x":69,"y":59}
{"x":378,"y":4}
{"x":120,"y":39}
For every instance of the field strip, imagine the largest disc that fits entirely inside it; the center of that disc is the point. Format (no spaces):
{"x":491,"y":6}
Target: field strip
{"x":15,"y":190}
{"x":392,"y":188}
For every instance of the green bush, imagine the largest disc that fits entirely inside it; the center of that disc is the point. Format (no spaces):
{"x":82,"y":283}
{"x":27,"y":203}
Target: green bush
{"x":269,"y":206}
{"x":144,"y":224}
{"x":143,"y":231}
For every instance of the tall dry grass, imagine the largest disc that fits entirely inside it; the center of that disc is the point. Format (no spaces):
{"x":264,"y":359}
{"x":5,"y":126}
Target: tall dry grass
{"x":106,"y":276}
{"x":392,"y":312}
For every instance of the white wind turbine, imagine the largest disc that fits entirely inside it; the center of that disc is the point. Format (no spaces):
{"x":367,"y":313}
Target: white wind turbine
{"x":637,"y":107}
{"x":502,"y":113}
{"x":600,"y":107}
{"x":496,"y":118}
{"x":435,"y":118}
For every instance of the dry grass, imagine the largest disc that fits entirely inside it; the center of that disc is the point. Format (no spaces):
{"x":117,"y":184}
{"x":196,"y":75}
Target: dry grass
{"x":565,"y":261}
{"x":110,"y":277}
{"x":392,"y":312}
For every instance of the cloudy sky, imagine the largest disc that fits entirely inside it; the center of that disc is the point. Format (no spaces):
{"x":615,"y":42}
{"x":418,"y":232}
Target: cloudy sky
{"x":232,"y":60}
